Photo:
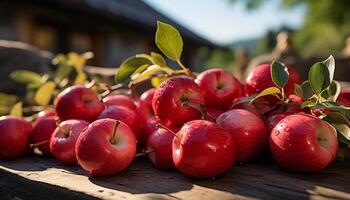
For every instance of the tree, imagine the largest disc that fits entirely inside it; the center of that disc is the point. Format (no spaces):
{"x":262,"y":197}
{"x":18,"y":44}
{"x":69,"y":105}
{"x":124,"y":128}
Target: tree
{"x":326,"y":26}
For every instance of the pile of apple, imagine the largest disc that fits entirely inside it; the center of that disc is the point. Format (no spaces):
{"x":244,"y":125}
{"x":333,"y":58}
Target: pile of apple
{"x":200,"y":124}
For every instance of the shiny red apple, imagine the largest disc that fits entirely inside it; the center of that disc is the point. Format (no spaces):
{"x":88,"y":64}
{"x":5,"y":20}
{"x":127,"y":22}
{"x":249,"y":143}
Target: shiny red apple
{"x":105,"y":147}
{"x":248,"y":132}
{"x":203,"y":149}
{"x":219,"y":88}
{"x":260,"y":79}
{"x":160,"y":147}
{"x":119,"y":100}
{"x":41,"y":133}
{"x":125,"y":115}
{"x":303,"y":143}
{"x":14,"y":136}
{"x":78,"y":102}
{"x":64,"y":138}
{"x":175,"y":99}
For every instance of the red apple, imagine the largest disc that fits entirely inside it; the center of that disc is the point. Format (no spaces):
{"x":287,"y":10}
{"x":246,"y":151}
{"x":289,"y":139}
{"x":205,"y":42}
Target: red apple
{"x":105,"y":147}
{"x":273,"y":120}
{"x":260,"y":79}
{"x":78,"y":102}
{"x":174,"y":99}
{"x":303,"y":143}
{"x":248,"y":132}
{"x":46,"y":113}
{"x":14,"y":136}
{"x":41,"y":134}
{"x":213,"y":113}
{"x":203,"y":149}
{"x":160,"y":145}
{"x":144,"y":104}
{"x":125,"y":115}
{"x":64,"y":138}
{"x":120,"y":100}
{"x":219,"y":88}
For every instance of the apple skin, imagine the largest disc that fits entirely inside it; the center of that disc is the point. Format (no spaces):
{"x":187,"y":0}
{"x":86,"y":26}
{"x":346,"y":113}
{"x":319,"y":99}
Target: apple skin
{"x":119,"y":100}
{"x":64,"y":138}
{"x":169,"y":98}
{"x":125,"y":115}
{"x":78,"y":102}
{"x":219,"y":88}
{"x":248,"y":132}
{"x":98,"y":154}
{"x":144,"y":104}
{"x":14,"y":136}
{"x":160,"y":142}
{"x":303,"y":143}
{"x":260,"y":79}
{"x":273,"y":120}
{"x":213,"y":113}
{"x":203,"y":149}
{"x":42,"y":131}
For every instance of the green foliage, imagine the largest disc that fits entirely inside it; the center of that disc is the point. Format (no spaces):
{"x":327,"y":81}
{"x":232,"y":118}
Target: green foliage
{"x":158,"y":59}
{"x":129,"y":66}
{"x":319,"y":78}
{"x":169,"y":41}
{"x":279,"y":74}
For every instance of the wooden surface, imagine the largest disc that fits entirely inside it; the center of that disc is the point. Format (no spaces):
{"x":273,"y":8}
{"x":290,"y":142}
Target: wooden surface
{"x":35,"y":177}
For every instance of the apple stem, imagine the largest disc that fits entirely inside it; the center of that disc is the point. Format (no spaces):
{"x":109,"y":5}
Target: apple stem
{"x":159,"y":125}
{"x":143,"y":153}
{"x":113,"y":139}
{"x":111,"y":89}
{"x":64,"y":131}
{"x":199,"y":107}
{"x":39,"y":143}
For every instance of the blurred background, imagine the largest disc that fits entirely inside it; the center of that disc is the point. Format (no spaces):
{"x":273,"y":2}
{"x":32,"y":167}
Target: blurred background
{"x":233,"y":34}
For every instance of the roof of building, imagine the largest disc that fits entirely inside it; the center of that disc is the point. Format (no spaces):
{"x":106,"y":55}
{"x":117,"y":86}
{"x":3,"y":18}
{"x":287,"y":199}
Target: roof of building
{"x":136,"y":11}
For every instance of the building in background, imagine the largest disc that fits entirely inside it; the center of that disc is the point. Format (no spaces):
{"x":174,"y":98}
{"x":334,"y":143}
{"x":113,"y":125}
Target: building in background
{"x":112,"y":29}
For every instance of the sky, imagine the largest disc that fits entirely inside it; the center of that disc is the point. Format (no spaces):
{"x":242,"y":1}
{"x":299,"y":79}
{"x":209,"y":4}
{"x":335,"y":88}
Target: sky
{"x":224,"y":23}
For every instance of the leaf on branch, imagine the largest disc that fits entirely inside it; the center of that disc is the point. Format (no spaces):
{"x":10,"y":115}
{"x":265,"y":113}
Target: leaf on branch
{"x":307,"y":90}
{"x":17,"y":110}
{"x":330,"y":64}
{"x":268,"y":91}
{"x":169,"y":41}
{"x":279,"y":73}
{"x":156,"y":81}
{"x":158,"y":59}
{"x":129,"y":66}
{"x":319,"y":78}
{"x":25,"y":76}
{"x":43,"y":95}
{"x":298,"y":90}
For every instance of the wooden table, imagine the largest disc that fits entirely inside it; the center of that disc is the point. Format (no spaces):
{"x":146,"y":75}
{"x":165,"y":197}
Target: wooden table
{"x":35,"y":177}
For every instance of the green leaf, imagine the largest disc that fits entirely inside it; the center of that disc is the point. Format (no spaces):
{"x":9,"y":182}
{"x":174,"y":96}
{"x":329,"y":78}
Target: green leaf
{"x":307,"y":90}
{"x":158,"y":59}
{"x":25,"y":76}
{"x":63,"y":71}
{"x":309,"y":103}
{"x":343,"y":129}
{"x":169,"y":41}
{"x":337,"y":117}
{"x":334,"y":90}
{"x":279,"y":73}
{"x":7,"y":99}
{"x":140,"y":70}
{"x":247,"y":99}
{"x":330,"y":64}
{"x":150,"y":71}
{"x":336,"y":107}
{"x":17,"y":110}
{"x":129,"y":66}
{"x":319,"y":78}
{"x":43,"y":95}
{"x":156,"y":81}
{"x":298,"y":90}
{"x":268,"y":91}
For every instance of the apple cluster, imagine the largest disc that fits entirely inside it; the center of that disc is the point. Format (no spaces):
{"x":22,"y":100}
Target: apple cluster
{"x":198,"y":125}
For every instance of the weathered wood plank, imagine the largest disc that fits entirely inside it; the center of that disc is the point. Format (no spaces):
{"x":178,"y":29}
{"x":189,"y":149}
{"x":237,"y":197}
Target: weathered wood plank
{"x":45,"y":178}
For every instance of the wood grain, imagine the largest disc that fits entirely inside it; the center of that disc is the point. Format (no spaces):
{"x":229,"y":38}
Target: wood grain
{"x":36,"y":177}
